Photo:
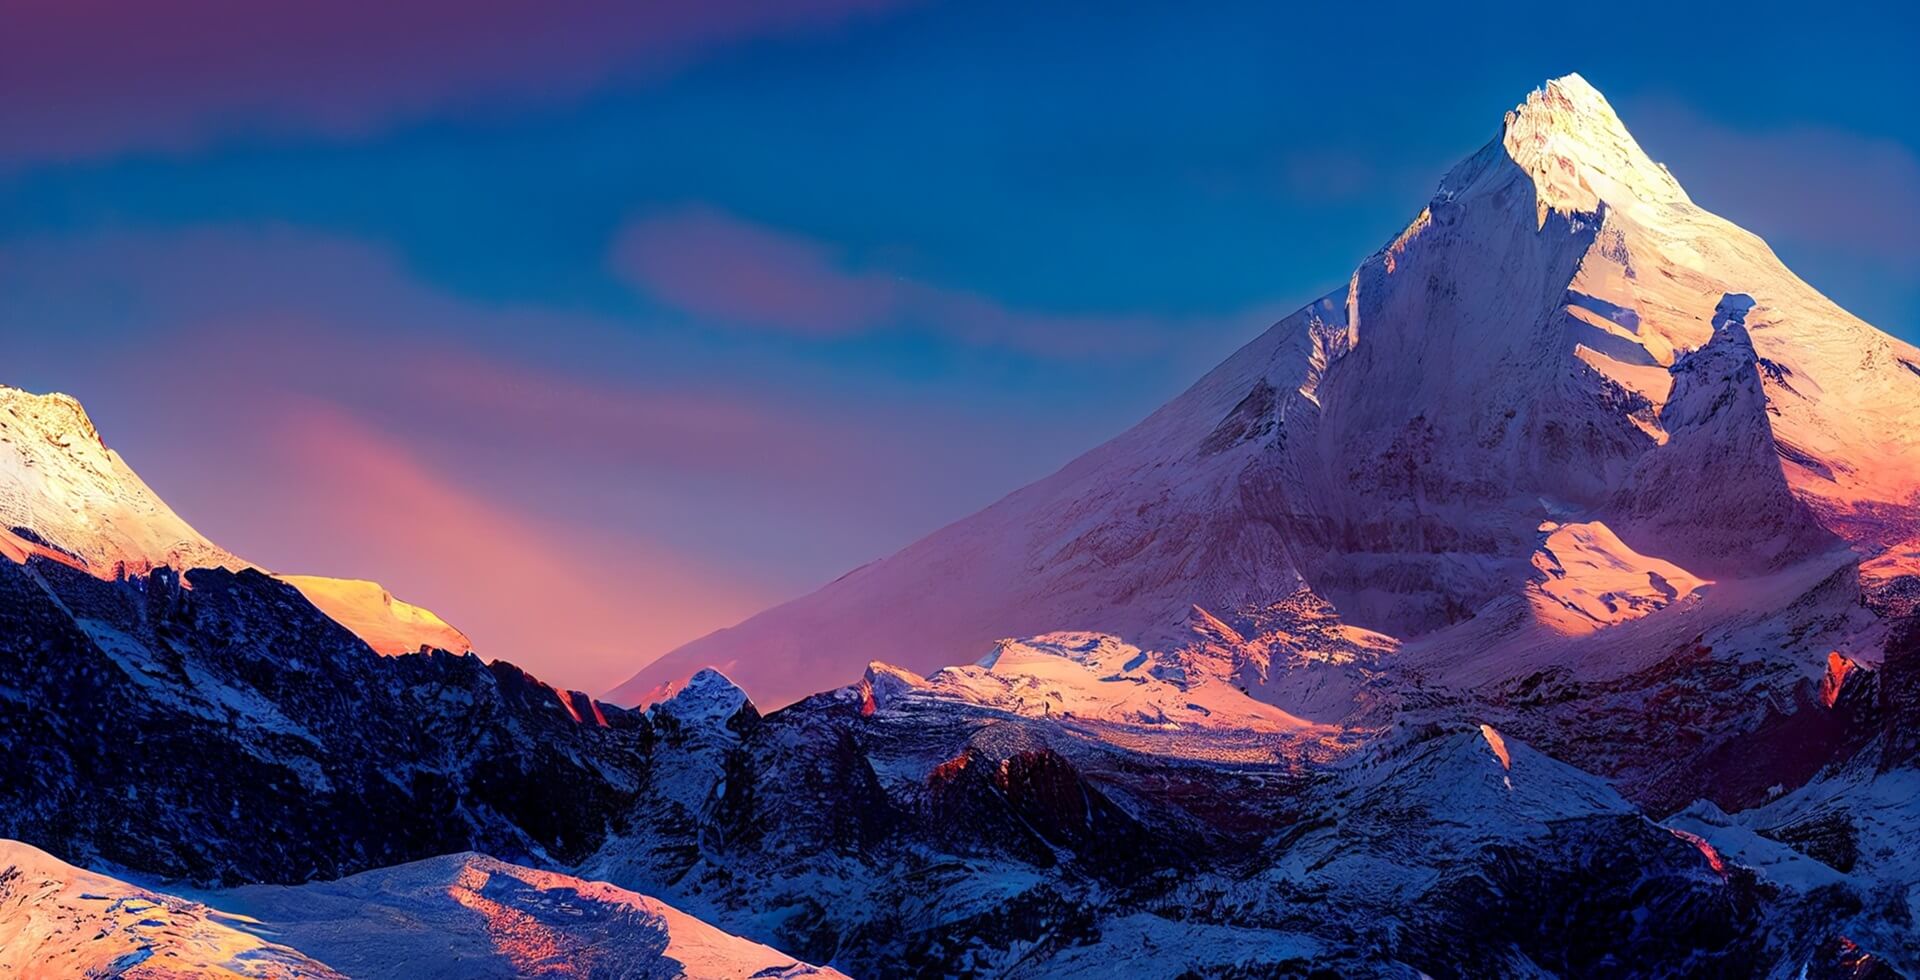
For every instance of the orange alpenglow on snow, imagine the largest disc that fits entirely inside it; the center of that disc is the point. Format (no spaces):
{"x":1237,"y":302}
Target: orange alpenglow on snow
{"x":540,"y":947}
{"x":388,"y":625}
{"x":1591,"y":579}
{"x":61,"y":485}
{"x":1498,"y":745}
{"x":1839,"y":668}
{"x":1708,"y":851}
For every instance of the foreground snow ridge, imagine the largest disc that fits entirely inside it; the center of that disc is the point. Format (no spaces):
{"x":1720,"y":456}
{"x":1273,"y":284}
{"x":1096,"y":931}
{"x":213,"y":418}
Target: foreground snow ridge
{"x":60,"y":921}
{"x":455,"y":917}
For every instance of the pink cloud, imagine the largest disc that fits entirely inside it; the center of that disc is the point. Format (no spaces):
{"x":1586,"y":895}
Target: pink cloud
{"x":276,"y":310}
{"x":541,"y":415}
{"x":90,"y":77}
{"x":206,"y":318}
{"x":708,"y":429}
{"x":713,"y":265}
{"x":718,"y":267}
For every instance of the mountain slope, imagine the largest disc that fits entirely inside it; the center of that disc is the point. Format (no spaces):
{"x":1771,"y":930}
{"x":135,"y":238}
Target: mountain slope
{"x":1407,"y":624}
{"x":910,"y":827}
{"x":1560,"y":336}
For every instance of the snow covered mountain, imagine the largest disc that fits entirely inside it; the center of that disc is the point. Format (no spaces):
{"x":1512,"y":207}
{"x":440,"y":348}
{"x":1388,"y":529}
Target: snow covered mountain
{"x":459,"y":917}
{"x":1507,"y":412}
{"x":65,"y":496}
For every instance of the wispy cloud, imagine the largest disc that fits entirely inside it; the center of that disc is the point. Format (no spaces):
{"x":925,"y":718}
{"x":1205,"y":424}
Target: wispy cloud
{"x":277,"y":312}
{"x":713,"y":265}
{"x":91,"y":77}
{"x":716,"y":266}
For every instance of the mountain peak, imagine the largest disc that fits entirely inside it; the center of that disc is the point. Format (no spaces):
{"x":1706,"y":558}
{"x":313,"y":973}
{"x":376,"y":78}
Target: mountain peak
{"x":1569,"y":140}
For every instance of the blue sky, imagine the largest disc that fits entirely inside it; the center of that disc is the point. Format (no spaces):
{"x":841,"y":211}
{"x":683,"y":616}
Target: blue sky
{"x":721,"y":301}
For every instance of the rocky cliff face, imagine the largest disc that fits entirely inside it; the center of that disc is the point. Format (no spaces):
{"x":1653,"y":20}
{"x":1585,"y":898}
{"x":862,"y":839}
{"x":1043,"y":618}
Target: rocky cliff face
{"x":217,"y":726}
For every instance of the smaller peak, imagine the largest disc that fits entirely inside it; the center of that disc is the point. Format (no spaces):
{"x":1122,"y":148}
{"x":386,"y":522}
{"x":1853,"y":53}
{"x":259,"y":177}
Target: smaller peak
{"x":708,"y":679}
{"x":74,"y":495}
{"x":883,"y":684}
{"x":707,"y":696}
{"x":389,"y":625}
